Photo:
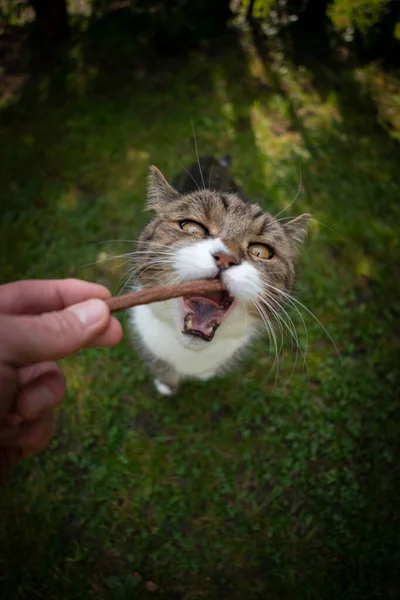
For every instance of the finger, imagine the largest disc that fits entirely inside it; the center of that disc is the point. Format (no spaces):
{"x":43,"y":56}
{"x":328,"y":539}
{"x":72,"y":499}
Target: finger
{"x":110,"y":337}
{"x":9,"y":386}
{"x":32,"y":437}
{"x":40,"y":395}
{"x":50,"y":336}
{"x":28,"y":374}
{"x":40,"y":436}
{"x":17,"y":411}
{"x":41,"y":295}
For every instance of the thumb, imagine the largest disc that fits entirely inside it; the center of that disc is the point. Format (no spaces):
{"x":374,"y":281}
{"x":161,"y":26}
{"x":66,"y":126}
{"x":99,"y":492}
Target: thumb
{"x":31,"y":339}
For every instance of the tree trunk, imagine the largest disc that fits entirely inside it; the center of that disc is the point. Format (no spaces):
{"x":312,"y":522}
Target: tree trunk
{"x":310,"y":32}
{"x":51,"y":19}
{"x":249,"y":14}
{"x":382,"y":43}
{"x":313,"y":17}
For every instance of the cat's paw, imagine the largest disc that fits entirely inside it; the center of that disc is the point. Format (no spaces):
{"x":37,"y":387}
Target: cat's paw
{"x":206,"y":376}
{"x":163,"y":388}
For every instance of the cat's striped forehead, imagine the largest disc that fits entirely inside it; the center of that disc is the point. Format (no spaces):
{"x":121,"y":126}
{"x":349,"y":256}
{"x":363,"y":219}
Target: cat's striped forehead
{"x":223,"y":214}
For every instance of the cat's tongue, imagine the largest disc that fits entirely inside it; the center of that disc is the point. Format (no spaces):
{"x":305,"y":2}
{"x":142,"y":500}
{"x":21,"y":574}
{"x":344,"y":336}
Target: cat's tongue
{"x":204,"y":314}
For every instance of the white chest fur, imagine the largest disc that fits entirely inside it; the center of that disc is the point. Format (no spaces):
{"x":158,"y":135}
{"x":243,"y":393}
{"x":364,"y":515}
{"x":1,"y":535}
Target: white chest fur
{"x":157,"y":328}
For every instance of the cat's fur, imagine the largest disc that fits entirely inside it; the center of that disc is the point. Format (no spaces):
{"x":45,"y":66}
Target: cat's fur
{"x":206,"y":194}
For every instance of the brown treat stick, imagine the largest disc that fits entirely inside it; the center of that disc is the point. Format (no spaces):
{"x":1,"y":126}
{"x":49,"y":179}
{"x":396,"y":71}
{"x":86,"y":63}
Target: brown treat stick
{"x":157,"y":294}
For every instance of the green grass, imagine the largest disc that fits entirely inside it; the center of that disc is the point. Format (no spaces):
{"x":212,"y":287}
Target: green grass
{"x":237,"y":488}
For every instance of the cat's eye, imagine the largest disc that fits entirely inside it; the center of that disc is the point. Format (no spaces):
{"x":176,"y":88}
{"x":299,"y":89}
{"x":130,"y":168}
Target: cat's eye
{"x":261,"y":251}
{"x":193,"y":228}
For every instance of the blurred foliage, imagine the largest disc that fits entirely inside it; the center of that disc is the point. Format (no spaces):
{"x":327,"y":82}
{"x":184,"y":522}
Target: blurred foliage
{"x":359,"y":14}
{"x":370,"y":27}
{"x":15,"y":13}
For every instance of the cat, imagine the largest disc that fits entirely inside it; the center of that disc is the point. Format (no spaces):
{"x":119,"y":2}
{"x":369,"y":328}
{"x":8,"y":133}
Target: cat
{"x":205,"y":227}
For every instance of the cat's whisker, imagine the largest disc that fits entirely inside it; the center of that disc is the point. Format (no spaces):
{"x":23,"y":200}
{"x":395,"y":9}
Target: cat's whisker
{"x":197,"y":156}
{"x":337,"y":233}
{"x":305,"y":333}
{"x":173,"y":280}
{"x":302,"y":320}
{"x":295,"y":341}
{"x":191,"y":176}
{"x":278,"y":319}
{"x":299,"y":189}
{"x":158,"y":256}
{"x":127,"y":258}
{"x":290,"y":328}
{"x":103,"y":260}
{"x":124,"y":285}
{"x":152,"y":243}
{"x":114,"y":241}
{"x":292,"y":299}
{"x":280,"y":308}
{"x":163,"y":250}
{"x":246,"y":317}
{"x":133,"y":273}
{"x":153,"y":249}
{"x":272,"y":337}
{"x":154,"y":254}
{"x":285,"y":218}
{"x":278,"y":322}
{"x":267,"y":322}
{"x":292,"y":332}
{"x":209,"y":178}
{"x":143,"y":268}
{"x":119,"y":266}
{"x":129,"y":276}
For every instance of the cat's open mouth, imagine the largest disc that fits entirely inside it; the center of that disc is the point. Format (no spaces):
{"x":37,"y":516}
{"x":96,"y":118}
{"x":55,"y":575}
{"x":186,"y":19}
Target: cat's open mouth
{"x":202,"y":315}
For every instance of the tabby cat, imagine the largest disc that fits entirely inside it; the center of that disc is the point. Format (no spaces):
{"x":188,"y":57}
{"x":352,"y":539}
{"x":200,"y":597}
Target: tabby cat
{"x":204,"y":227}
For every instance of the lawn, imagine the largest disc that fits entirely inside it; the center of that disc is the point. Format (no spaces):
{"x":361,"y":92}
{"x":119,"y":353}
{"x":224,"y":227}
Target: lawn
{"x":281,"y":485}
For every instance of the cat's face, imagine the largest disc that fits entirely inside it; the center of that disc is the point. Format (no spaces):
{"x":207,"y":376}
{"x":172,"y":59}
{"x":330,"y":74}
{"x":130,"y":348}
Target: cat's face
{"x":208,"y":234}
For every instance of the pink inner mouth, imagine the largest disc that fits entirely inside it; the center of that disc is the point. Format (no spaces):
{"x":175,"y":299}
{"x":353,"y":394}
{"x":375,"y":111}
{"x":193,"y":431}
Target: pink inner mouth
{"x":202,"y":315}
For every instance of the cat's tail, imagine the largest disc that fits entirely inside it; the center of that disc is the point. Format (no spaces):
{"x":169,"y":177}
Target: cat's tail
{"x":225,"y":161}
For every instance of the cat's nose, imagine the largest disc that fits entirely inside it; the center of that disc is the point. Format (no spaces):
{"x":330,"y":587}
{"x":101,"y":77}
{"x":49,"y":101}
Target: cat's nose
{"x":225,"y":261}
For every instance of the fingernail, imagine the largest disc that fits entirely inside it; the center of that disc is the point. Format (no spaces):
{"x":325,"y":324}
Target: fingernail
{"x":46,"y":396}
{"x":90,"y":312}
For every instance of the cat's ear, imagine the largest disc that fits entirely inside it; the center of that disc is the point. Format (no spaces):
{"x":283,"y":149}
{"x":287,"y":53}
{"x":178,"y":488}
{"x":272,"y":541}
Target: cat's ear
{"x":297,"y":228}
{"x":159,"y":191}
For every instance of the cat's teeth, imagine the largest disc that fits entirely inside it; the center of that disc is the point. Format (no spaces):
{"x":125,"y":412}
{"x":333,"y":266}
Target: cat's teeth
{"x":189,"y":323}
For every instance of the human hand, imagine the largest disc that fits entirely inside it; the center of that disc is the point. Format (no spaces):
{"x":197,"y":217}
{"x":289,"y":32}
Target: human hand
{"x":41,"y":322}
